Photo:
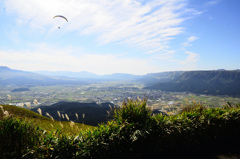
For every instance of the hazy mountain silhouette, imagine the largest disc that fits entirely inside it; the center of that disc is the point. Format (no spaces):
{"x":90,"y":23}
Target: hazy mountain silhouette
{"x":18,"y":77}
{"x":89,"y":75}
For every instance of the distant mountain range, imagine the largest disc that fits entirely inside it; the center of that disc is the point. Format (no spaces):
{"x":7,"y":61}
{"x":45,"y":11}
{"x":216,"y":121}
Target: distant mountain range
{"x":216,"y":82}
{"x":89,"y":75}
{"x":17,"y":77}
{"x":82,"y":74}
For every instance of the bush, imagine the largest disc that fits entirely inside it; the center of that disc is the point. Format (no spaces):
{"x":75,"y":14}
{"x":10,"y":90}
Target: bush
{"x":135,"y":112}
{"x":17,"y":138}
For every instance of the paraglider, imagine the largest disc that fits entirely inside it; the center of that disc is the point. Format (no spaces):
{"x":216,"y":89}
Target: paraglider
{"x":60,"y":16}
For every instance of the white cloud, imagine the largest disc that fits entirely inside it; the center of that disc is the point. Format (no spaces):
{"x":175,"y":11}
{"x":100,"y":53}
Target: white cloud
{"x":190,"y":62}
{"x":146,"y":25}
{"x":191,"y":58}
{"x":192,"y":38}
{"x":212,"y":2}
{"x":45,"y":57}
{"x":189,"y":40}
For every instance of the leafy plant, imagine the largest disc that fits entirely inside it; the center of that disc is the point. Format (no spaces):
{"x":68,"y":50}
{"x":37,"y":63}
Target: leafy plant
{"x":17,"y":137}
{"x":133,"y":133}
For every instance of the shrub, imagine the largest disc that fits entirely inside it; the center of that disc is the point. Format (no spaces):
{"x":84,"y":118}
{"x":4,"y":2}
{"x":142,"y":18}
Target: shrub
{"x":135,"y":112}
{"x":17,"y":137}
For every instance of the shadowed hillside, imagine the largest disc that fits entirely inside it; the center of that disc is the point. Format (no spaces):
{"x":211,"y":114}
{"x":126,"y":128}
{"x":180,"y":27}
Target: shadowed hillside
{"x":203,"y":82}
{"x":94,"y":114}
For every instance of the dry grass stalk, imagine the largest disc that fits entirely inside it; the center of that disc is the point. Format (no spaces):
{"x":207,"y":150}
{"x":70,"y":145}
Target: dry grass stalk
{"x":83,"y":115}
{"x":28,"y":104}
{"x":76,"y":115}
{"x":71,"y":124}
{"x":9,"y":97}
{"x":21,"y":105}
{"x":49,"y":116}
{"x":61,"y":124}
{"x":35,"y":102}
{"x":39,"y":111}
{"x":63,"y":116}
{"x":1,"y":107}
{"x":51,"y":125}
{"x":67,"y":117}
{"x":5,"y":113}
{"x":59,"y":114}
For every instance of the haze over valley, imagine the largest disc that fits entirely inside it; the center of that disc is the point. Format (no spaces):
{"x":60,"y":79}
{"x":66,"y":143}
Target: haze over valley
{"x":165,"y":90}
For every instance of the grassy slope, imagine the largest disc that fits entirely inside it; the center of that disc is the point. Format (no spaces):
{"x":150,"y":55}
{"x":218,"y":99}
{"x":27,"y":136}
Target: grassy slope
{"x":44,"y":122}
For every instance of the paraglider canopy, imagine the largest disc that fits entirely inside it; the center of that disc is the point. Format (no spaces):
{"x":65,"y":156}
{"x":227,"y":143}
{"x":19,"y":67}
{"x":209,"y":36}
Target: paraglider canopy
{"x":60,"y":22}
{"x":60,"y":16}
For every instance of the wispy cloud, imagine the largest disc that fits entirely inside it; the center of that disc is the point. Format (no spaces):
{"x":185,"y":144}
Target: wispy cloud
{"x":189,"y":40}
{"x":149,"y":25}
{"x":192,"y":58}
{"x":212,"y":2}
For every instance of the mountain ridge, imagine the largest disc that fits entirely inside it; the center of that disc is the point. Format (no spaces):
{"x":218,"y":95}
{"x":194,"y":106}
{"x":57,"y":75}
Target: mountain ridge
{"x":215,"y":82}
{"x":10,"y":76}
{"x":203,"y":82}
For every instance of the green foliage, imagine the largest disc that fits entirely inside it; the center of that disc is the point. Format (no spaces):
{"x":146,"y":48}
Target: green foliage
{"x":134,"y":133}
{"x":17,"y":137}
{"x":193,"y":108}
{"x":135,"y":112}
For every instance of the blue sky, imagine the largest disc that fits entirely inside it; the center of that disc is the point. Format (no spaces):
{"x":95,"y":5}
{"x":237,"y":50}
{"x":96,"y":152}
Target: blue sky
{"x":120,"y":36}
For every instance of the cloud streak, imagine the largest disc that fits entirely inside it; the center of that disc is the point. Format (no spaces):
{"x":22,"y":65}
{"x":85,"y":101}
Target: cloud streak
{"x":192,"y":58}
{"x":212,"y":2}
{"x":148,"y":25}
{"x":189,"y":40}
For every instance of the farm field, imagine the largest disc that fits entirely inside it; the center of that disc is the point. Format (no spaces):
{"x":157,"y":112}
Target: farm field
{"x":113,"y":92}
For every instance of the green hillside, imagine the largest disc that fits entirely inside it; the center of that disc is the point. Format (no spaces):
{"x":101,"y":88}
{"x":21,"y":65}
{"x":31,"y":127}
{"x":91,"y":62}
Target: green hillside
{"x":43,"y":122}
{"x":195,"y":132}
